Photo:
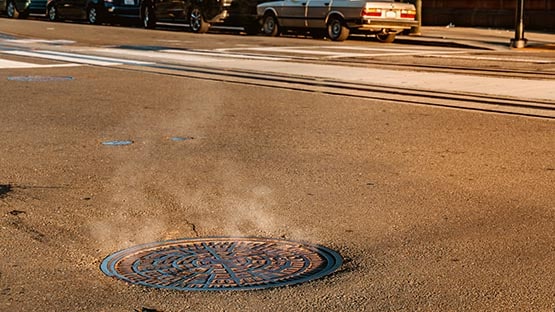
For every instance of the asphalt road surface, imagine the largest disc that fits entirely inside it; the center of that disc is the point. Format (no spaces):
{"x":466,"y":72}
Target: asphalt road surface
{"x":432,"y":208}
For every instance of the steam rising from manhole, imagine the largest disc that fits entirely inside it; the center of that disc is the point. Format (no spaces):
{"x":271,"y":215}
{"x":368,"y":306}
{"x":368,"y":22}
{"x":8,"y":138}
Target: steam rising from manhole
{"x":208,"y":264}
{"x":40,"y":78}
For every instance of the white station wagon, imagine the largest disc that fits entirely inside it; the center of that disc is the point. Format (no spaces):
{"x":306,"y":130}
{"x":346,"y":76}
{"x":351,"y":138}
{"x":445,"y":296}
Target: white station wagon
{"x":384,"y":18}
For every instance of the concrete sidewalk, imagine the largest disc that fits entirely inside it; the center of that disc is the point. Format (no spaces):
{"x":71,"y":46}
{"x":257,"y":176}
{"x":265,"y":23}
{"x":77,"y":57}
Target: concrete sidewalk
{"x":532,"y":89}
{"x":481,"y":38}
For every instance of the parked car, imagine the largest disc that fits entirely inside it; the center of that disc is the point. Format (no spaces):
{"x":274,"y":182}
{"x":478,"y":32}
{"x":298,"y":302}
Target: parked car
{"x":338,"y":18}
{"x":22,"y":8}
{"x":201,"y":14}
{"x":94,"y":11}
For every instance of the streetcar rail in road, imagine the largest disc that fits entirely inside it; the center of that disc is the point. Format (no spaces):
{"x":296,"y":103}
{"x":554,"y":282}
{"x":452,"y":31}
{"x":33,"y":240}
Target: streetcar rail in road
{"x":493,"y":94}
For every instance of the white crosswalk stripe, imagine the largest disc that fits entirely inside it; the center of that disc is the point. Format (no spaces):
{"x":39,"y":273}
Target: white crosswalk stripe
{"x":16,"y":64}
{"x":31,"y":41}
{"x":76,"y":58}
{"x":182,"y":55}
{"x":246,"y":52}
{"x":336,"y":52}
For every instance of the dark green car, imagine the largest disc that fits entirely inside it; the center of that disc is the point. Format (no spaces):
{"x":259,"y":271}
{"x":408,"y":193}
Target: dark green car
{"x":22,"y":8}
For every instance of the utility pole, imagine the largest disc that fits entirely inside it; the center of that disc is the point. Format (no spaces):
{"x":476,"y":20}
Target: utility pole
{"x":519,"y":41}
{"x":416,"y":30}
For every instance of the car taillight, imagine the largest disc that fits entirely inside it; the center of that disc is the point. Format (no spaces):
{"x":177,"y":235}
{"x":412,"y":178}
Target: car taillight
{"x":408,"y":13}
{"x":372,"y":12}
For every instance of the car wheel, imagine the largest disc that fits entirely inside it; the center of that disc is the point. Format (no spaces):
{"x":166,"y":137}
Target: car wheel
{"x":197,"y":21}
{"x":337,"y":30}
{"x":52,"y":13}
{"x":92,"y":15}
{"x":385,"y":38}
{"x":270,"y":26}
{"x":148,"y":17}
{"x":11,"y":11}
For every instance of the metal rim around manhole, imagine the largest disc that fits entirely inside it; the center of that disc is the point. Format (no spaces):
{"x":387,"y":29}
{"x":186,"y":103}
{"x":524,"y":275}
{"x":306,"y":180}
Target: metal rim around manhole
{"x":221,"y":263}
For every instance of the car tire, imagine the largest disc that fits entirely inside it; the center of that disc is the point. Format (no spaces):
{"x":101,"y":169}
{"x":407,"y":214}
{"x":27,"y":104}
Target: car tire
{"x":148,"y":16}
{"x":385,"y":38}
{"x":11,"y":10}
{"x":270,"y":26}
{"x":93,"y":15}
{"x":52,"y":13}
{"x":197,"y":22}
{"x":337,"y":30}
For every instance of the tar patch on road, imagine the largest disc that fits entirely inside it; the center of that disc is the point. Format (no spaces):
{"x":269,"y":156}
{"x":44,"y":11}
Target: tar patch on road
{"x":4,"y":190}
{"x":208,"y":264}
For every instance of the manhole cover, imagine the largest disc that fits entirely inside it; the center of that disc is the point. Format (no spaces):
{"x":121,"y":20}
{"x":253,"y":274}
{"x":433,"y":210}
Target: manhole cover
{"x":117,"y":142}
{"x":179,"y":139}
{"x":221,"y":263}
{"x":40,"y":78}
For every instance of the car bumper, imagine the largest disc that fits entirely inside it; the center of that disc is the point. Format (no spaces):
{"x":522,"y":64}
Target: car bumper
{"x":379,"y":24}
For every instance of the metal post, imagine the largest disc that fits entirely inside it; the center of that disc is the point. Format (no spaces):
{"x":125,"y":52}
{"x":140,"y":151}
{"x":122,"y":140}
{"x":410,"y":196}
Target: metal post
{"x":416,"y":30}
{"x":519,"y":41}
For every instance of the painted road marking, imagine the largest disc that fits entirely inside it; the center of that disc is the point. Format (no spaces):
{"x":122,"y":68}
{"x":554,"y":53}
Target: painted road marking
{"x":31,"y":41}
{"x":5,"y":64}
{"x":271,"y":53}
{"x":248,"y":53}
{"x":183,"y":55}
{"x":488,"y":58}
{"x":76,"y":58}
{"x":223,"y":54}
{"x":336,"y":52}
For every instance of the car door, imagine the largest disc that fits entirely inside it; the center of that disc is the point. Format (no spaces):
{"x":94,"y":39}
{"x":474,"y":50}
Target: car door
{"x":73,"y":8}
{"x":64,"y":8}
{"x":127,"y":7}
{"x":37,"y":7}
{"x":170,"y":9}
{"x":293,"y":14}
{"x":316,"y":13}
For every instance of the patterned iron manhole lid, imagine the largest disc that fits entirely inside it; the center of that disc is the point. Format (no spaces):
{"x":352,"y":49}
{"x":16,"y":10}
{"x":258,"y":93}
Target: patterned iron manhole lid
{"x":221,"y":263}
